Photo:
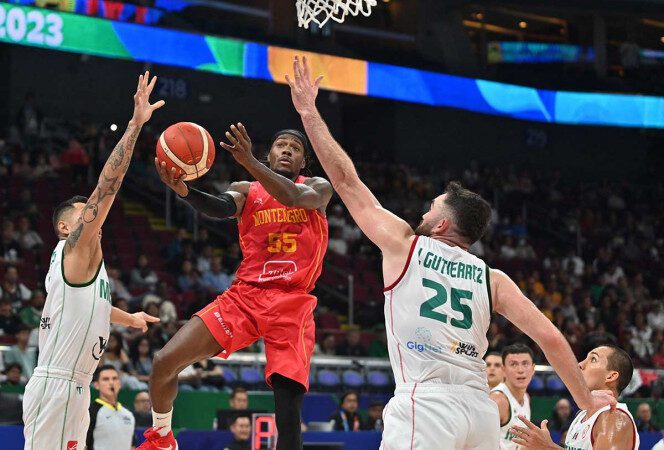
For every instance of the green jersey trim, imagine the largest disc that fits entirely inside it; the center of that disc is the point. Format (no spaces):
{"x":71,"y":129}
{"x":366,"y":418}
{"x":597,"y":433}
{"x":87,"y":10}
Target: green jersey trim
{"x":79,"y":285}
{"x":488,"y":288}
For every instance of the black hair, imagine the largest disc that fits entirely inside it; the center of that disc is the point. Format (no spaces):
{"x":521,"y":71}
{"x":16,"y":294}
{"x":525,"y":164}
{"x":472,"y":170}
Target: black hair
{"x":238,"y":390}
{"x":517,"y":349}
{"x":235,"y":417}
{"x":471,"y":212}
{"x":621,"y":362}
{"x":296,"y":133}
{"x":302,"y":137}
{"x":64,"y":207}
{"x":11,"y":366}
{"x":346,"y":394}
{"x":498,"y":354}
{"x":100,"y":369}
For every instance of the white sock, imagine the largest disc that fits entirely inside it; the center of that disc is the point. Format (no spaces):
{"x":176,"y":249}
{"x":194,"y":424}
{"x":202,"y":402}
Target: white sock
{"x":162,"y":420}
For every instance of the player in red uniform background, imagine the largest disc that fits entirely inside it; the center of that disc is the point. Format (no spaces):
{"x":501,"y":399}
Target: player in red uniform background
{"x":283,"y":237}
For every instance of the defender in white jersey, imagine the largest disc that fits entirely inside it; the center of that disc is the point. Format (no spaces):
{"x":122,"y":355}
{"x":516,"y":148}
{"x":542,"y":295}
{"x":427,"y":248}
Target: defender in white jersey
{"x":76,"y":318}
{"x":511,"y":396}
{"x":438,"y":304}
{"x":605,"y":367}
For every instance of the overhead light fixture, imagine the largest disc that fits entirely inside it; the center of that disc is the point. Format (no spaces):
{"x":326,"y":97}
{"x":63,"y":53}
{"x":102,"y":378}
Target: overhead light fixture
{"x":479,"y":16}
{"x":523,"y":25}
{"x":662,"y":39}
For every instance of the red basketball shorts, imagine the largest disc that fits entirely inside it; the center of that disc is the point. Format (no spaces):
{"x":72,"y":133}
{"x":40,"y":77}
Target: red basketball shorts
{"x":284,"y":319}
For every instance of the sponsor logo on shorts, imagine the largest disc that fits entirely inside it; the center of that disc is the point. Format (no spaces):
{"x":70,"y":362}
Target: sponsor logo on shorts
{"x":227,"y":330}
{"x":422,"y":342}
{"x":464,"y":348}
{"x":45,"y":323}
{"x":72,"y":445}
{"x":99,"y":348}
{"x":79,"y":390}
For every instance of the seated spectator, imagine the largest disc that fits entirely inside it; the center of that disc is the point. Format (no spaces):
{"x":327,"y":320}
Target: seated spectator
{"x":202,"y":241}
{"x":212,"y":377}
{"x":189,"y":279}
{"x":507,"y":250}
{"x":140,"y":356}
{"x":21,"y":354}
{"x":118,"y":287}
{"x":347,"y":418}
{"x":13,"y":290}
{"x":657,"y":359}
{"x":375,"y":416}
{"x":561,"y":418}
{"x":28,"y":238}
{"x":336,"y":242}
{"x":327,"y":346}
{"x":31,"y":314}
{"x":644,"y":418}
{"x":352,"y":346}
{"x":656,"y":317}
{"x":143,"y":410}
{"x":77,"y":157}
{"x":215,"y":279}
{"x":12,"y":375}
{"x":10,"y":249}
{"x":378,"y":347}
{"x":524,"y":250}
{"x":9,"y":321}
{"x":25,"y":205}
{"x":142,"y":276}
{"x":115,"y":356}
{"x":204,"y":260}
{"x":241,"y":429}
{"x":239,"y":399}
{"x":232,"y":257}
{"x":174,"y":249}
{"x":42,"y":167}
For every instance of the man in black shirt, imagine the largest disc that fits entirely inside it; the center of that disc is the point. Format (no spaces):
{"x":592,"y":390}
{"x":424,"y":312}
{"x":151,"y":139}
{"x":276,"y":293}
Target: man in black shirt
{"x":241,"y":429}
{"x":8,"y":320}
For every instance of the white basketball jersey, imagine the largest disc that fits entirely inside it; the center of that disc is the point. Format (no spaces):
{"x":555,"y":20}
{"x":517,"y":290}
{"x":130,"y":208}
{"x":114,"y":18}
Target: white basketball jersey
{"x":580,"y":433}
{"x":437,"y":315}
{"x":76,"y":320}
{"x":516,"y":409}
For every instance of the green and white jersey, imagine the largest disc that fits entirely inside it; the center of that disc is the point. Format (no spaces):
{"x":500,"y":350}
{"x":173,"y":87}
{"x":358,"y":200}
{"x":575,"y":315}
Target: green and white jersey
{"x":580,"y":433}
{"x":75,"y":323}
{"x":437,"y":315}
{"x":516,"y":409}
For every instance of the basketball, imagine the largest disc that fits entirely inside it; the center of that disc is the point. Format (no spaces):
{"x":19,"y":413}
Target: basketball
{"x":188,"y":148}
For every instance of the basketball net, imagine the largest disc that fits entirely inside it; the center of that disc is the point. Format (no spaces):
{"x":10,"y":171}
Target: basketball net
{"x":320,"y":11}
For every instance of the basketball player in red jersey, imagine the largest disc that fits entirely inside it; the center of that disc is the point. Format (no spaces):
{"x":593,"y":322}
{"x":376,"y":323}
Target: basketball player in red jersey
{"x":283,"y":237}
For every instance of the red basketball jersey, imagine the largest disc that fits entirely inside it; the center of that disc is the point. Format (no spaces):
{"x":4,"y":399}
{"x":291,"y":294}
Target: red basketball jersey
{"x":281,"y":246}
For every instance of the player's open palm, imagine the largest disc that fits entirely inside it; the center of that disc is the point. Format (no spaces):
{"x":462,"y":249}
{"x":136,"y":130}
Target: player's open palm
{"x":240,"y":144}
{"x":142,"y":107}
{"x":303,"y":91}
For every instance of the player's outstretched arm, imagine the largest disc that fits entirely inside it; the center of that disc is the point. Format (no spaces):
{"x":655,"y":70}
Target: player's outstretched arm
{"x":510,"y":302}
{"x":389,"y":232}
{"x":138,"y":320}
{"x":228,"y":204}
{"x":96,"y":209}
{"x":314,"y":194}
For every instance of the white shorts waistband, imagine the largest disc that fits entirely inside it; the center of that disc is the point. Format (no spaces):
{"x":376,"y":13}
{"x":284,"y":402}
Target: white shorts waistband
{"x":63,"y":374}
{"x":428,"y":387}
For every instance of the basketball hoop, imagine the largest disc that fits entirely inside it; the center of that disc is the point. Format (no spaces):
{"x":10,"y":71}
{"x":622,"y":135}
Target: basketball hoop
{"x":320,"y":11}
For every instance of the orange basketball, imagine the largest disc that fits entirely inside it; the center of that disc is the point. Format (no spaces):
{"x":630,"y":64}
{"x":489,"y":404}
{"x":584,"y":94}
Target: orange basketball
{"x":188,"y":147}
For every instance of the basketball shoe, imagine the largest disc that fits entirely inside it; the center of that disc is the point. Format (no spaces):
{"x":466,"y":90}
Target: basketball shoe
{"x":155,"y":441}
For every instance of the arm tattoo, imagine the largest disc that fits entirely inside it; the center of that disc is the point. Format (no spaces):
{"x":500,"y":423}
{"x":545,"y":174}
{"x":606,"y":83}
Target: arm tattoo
{"x":72,"y":239}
